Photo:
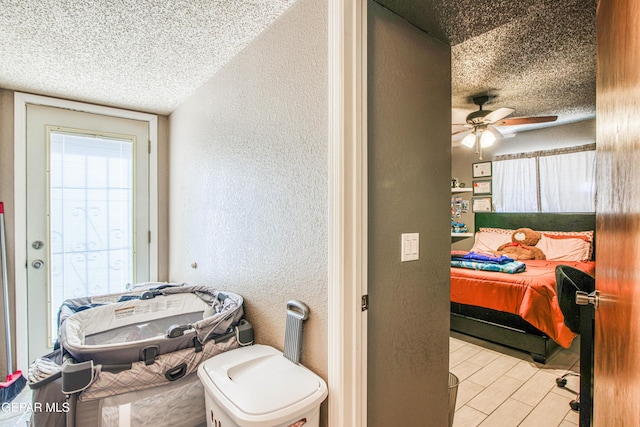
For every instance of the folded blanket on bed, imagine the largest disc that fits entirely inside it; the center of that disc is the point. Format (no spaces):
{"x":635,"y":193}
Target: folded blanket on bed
{"x":474,"y":256}
{"x":508,"y":267}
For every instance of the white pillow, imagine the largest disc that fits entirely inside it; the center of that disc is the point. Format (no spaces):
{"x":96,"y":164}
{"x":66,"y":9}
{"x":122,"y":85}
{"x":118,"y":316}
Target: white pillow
{"x":486,"y":242}
{"x":564,"y":249}
{"x":584,"y":235}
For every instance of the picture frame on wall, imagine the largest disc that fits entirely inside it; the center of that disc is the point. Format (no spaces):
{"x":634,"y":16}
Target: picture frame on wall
{"x":481,"y":204}
{"x":481,"y":187}
{"x":481,"y":170}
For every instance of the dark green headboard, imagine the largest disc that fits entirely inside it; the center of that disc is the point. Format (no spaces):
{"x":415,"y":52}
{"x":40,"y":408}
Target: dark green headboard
{"x":538,"y":221}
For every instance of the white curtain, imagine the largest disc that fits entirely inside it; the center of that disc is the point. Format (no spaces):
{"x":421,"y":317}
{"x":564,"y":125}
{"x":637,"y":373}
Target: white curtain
{"x":567,"y":182}
{"x":514,"y":185}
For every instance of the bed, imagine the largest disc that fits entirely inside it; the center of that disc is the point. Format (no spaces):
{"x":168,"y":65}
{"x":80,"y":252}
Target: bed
{"x":519,"y":310}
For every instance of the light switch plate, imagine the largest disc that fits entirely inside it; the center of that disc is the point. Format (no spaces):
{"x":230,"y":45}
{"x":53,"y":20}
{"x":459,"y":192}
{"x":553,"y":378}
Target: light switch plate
{"x":410,"y":250}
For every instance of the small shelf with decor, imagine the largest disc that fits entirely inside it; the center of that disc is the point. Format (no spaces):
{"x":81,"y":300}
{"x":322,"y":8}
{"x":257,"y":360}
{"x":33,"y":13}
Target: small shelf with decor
{"x":461,"y":235}
{"x":459,"y":208}
{"x":461,"y":190}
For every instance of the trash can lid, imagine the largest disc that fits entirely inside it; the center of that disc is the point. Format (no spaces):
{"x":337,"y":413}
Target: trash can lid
{"x":259,"y":380}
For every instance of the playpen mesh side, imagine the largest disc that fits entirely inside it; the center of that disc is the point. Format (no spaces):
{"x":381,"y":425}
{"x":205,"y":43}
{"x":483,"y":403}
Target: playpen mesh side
{"x":142,"y":376}
{"x":182,"y":405}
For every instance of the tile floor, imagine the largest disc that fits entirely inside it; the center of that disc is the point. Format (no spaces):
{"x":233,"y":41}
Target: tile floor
{"x":503,"y":387}
{"x":499,"y":387}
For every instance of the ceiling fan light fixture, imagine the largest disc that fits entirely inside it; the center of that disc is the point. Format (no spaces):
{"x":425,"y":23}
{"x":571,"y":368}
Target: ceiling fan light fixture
{"x":483,"y":122}
{"x":487,"y":139}
{"x":469,"y":140}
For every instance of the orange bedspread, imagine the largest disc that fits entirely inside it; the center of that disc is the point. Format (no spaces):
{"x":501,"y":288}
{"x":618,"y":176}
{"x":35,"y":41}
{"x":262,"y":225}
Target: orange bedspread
{"x":531,"y":294}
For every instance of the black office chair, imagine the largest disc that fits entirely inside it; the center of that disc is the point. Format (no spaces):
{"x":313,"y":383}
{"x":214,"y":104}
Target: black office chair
{"x":579,"y":318}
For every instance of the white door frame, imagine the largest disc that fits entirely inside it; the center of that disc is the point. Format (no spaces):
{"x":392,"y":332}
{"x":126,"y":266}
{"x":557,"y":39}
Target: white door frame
{"x":20,"y":201}
{"x":347,"y":323}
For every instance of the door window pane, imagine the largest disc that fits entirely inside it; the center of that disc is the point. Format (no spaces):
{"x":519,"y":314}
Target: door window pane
{"x":91,"y":217}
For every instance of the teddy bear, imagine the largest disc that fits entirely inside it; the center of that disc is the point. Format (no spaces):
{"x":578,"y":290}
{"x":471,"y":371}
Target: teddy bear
{"x":522,"y":246}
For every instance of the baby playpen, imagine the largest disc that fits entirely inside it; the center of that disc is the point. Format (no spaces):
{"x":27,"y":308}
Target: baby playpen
{"x":130,"y":359}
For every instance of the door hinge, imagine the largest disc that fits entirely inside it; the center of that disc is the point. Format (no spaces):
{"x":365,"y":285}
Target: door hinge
{"x":365,"y":302}
{"x":149,"y":146}
{"x":149,"y":236}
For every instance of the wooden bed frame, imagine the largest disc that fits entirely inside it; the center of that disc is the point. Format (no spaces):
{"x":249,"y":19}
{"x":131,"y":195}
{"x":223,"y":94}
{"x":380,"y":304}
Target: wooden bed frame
{"x":506,"y":328}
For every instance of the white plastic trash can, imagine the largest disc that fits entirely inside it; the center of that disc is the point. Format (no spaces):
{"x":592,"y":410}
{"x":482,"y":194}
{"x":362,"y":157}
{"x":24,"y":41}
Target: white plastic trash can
{"x":257,"y":386}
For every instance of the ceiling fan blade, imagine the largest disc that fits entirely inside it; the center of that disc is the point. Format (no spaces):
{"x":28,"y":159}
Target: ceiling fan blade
{"x":500,"y":113}
{"x":495,"y":132}
{"x":526,"y":120}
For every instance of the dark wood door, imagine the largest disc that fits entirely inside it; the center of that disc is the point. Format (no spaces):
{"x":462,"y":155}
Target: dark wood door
{"x":617,"y":335}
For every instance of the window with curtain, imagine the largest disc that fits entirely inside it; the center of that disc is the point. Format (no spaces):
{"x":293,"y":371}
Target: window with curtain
{"x":546,"y":181}
{"x":514,"y":185}
{"x":567,"y":182}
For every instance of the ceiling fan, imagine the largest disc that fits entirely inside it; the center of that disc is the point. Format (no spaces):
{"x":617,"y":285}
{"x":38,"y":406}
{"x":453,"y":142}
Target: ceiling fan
{"x":480,"y":125}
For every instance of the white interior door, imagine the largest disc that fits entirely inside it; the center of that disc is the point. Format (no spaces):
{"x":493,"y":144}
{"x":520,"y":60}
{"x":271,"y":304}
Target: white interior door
{"x":87,"y":211}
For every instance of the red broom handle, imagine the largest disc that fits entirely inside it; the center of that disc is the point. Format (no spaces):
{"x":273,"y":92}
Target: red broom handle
{"x":5,"y":290}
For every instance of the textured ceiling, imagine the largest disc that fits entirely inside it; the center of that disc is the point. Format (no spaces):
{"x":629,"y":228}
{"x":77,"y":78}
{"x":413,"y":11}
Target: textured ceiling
{"x":145,"y":55}
{"x":536,"y":56}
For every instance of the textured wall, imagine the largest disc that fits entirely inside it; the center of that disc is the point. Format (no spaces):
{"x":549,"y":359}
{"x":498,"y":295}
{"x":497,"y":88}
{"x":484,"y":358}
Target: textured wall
{"x":409,"y":168}
{"x":6,"y":196}
{"x":163,"y":198}
{"x":248,"y":179}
